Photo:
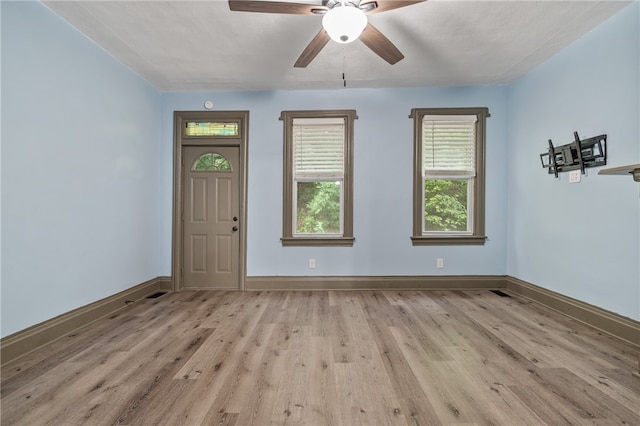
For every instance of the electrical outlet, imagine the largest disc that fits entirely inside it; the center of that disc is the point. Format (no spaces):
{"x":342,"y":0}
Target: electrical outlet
{"x":439,"y":263}
{"x":574,"y":176}
{"x":312,"y":264}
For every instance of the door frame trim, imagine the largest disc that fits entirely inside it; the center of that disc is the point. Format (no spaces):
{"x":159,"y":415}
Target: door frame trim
{"x":242,"y":117}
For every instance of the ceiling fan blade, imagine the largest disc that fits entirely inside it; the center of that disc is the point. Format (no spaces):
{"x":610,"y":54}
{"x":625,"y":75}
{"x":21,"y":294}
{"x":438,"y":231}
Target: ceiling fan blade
{"x":384,"y":5}
{"x":264,"y":6}
{"x":381,"y":45}
{"x":312,"y":49}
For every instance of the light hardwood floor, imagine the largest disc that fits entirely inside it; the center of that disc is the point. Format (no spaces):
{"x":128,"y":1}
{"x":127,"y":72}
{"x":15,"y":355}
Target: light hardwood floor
{"x":327,"y":357}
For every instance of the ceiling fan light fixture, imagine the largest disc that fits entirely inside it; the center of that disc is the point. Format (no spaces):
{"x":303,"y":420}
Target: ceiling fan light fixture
{"x":344,"y":24}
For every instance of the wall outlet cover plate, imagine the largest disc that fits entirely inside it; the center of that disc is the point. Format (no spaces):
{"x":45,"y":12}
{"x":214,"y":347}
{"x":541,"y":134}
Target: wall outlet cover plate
{"x":574,"y":176}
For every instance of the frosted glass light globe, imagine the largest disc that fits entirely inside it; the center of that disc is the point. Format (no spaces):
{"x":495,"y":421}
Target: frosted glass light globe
{"x":344,"y":24}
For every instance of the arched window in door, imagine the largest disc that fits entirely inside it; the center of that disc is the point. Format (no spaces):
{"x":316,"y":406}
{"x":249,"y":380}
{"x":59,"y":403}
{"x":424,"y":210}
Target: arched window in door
{"x":211,"y":162}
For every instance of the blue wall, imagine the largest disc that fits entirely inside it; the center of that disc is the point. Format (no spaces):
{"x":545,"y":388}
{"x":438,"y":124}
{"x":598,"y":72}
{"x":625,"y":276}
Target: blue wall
{"x":80,"y":170}
{"x":581,"y":240}
{"x":382,"y":181}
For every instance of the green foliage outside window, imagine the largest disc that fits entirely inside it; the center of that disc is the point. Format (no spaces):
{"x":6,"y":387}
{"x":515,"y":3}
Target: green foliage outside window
{"x":445,"y":205}
{"x":318,"y":208}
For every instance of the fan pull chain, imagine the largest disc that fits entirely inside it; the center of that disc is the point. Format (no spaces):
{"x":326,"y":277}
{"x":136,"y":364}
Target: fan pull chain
{"x":344,"y":66}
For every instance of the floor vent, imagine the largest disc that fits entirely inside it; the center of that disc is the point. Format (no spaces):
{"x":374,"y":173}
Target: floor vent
{"x":500,"y":293}
{"x":156,"y":295}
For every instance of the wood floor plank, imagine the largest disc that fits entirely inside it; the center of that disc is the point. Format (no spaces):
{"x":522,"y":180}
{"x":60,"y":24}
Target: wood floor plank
{"x":217,"y":359}
{"x":561,"y":348}
{"x":415,"y":406}
{"x":420,"y":322}
{"x":505,"y":360}
{"x":112,"y":372}
{"x":140,"y":391}
{"x":289,"y":405}
{"x":123,"y":323}
{"x":458,"y":393}
{"x":599,"y":346}
{"x":551,"y":408}
{"x":233,"y":395}
{"x":586,"y":399}
{"x":349,"y":330}
{"x":39,"y":382}
{"x":305,"y":303}
{"x":327,"y":358}
{"x":321,"y":394}
{"x":258,"y":405}
{"x":528,"y":332}
{"x":319,"y":324}
{"x":371,"y":403}
{"x":356,"y":321}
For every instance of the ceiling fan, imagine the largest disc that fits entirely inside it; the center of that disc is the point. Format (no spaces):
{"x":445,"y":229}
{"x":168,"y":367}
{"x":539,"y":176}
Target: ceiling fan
{"x":343,"y":21}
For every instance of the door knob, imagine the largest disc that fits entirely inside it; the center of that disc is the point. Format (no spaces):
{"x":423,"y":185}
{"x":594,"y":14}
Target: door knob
{"x":234,"y":229}
{"x":235,"y":219}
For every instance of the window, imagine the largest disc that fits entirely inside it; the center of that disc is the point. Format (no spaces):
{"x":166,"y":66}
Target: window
{"x":448,"y":184}
{"x":211,"y":162}
{"x":207,"y":128}
{"x":318,"y":192}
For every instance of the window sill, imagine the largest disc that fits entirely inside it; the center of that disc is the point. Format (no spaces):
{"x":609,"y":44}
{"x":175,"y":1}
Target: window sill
{"x":468,"y":240}
{"x":317,"y":241}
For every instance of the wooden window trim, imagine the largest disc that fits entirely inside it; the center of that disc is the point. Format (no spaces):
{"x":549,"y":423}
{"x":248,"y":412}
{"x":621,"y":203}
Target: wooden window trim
{"x":346,"y":239}
{"x":477,"y":237}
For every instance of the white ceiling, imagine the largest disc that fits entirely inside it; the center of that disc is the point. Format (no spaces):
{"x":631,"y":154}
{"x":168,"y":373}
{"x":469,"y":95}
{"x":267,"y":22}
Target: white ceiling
{"x":202,"y":45}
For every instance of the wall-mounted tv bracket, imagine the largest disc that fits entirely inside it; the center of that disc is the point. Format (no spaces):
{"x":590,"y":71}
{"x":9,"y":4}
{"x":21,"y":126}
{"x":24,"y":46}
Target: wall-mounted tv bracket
{"x":578,"y":154}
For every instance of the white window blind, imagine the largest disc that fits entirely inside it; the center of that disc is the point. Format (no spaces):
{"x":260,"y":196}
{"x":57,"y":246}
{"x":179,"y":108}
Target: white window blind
{"x":448,"y":146}
{"x":318,"y":147}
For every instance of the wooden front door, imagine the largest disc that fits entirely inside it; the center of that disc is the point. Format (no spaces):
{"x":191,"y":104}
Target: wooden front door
{"x":211,"y":212}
